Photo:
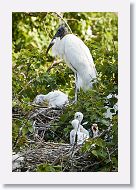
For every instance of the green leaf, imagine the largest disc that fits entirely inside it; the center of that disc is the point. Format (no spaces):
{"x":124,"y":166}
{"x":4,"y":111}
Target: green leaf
{"x":48,"y":168}
{"x":95,"y":153}
{"x":31,"y":130}
{"x":99,"y":142}
{"x":24,"y":130}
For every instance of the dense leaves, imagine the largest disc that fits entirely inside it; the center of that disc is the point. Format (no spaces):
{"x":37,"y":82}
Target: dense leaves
{"x":32,"y":33}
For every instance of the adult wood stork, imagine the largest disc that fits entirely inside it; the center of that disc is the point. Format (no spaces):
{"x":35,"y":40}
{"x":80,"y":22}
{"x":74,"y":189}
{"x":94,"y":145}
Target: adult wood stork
{"x":81,"y":136}
{"x":77,"y":57}
{"x":54,"y":99}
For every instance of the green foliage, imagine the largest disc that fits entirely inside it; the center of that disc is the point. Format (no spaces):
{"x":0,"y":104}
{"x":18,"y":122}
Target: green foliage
{"x":48,"y":168}
{"x":32,"y":33}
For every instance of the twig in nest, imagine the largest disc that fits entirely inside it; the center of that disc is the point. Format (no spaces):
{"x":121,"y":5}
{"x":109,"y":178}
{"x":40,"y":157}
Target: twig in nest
{"x":108,"y":154}
{"x":116,"y":148}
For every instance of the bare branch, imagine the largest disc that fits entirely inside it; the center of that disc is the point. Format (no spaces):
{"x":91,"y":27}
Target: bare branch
{"x":54,"y":64}
{"x":58,"y":15}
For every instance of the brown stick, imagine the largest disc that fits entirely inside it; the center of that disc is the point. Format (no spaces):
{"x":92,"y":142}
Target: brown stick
{"x":54,"y":64}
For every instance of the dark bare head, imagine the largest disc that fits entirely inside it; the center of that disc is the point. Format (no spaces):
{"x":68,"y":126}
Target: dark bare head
{"x":61,"y":32}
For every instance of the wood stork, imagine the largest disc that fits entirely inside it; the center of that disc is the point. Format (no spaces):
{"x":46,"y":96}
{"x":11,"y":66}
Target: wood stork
{"x":83,"y":130}
{"x":54,"y":99}
{"x":77,"y":57}
{"x":95,"y":130}
{"x":81,"y":137}
{"x":79,"y":116}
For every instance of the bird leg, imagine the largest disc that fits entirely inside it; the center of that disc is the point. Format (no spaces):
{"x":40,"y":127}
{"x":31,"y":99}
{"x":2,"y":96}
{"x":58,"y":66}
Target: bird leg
{"x":76,"y":90}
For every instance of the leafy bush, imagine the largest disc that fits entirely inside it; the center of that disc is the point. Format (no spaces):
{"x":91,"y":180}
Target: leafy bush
{"x":32,"y":33}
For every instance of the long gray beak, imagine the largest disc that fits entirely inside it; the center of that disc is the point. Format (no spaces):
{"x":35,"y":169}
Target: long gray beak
{"x":51,"y":44}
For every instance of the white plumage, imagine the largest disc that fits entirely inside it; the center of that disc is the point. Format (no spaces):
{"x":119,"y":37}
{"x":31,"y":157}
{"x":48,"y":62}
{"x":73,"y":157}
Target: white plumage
{"x":81,"y":136}
{"x":79,"y":116}
{"x":54,"y":99}
{"x":83,"y":130}
{"x":17,"y":160}
{"x":76,"y":55}
{"x":75,"y":124}
{"x":108,"y":113}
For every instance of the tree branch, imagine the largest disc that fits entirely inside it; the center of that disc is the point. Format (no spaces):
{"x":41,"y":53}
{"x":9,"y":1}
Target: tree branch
{"x":63,"y":21}
{"x":54,"y":64}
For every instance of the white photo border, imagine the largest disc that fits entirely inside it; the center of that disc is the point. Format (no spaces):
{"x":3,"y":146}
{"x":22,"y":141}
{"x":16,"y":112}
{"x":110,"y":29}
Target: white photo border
{"x":123,"y":10}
